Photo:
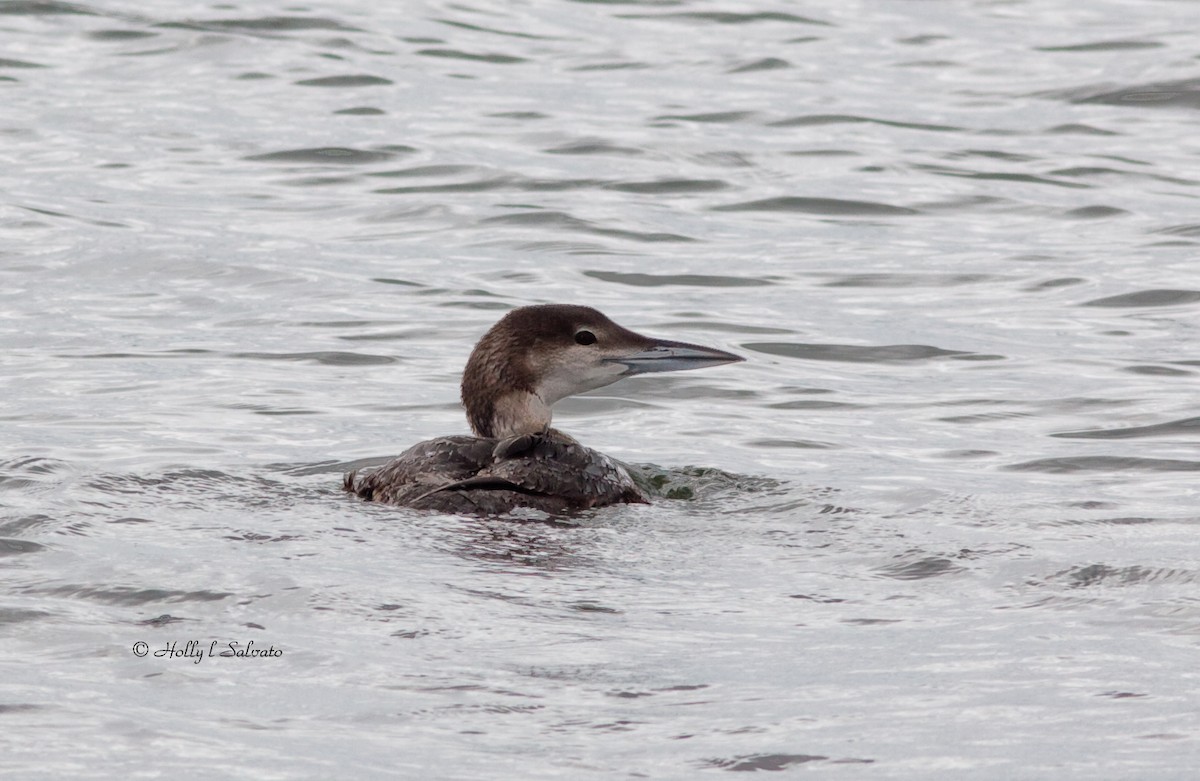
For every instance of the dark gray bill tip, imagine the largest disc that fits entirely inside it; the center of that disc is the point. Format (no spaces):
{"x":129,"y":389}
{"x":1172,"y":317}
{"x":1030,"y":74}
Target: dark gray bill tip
{"x":666,"y":356}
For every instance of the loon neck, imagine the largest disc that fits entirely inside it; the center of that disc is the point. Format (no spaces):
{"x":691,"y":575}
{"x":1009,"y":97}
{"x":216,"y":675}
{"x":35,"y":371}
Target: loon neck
{"x":509,"y":414}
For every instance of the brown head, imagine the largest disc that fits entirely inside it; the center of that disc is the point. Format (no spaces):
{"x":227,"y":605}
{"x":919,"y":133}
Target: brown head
{"x":537,"y":355}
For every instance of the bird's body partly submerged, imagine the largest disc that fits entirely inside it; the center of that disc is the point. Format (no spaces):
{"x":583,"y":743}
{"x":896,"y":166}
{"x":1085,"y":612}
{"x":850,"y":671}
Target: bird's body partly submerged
{"x":533,"y":357}
{"x":460,"y":474}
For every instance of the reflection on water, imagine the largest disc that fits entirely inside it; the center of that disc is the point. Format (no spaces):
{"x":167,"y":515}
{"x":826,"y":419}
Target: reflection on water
{"x":946,"y":508}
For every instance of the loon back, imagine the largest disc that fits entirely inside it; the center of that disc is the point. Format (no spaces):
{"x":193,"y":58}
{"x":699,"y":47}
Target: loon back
{"x":460,"y":474}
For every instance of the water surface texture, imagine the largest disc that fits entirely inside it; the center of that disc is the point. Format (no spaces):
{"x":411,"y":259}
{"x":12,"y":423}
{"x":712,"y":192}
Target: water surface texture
{"x":942,"y":523}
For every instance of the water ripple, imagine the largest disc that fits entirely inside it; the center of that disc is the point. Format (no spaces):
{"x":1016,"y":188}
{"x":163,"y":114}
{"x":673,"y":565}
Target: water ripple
{"x":817,"y":120}
{"x":346,"y":81}
{"x":890,"y":353}
{"x":6,"y":63}
{"x":276,"y":24}
{"x":903,"y":280}
{"x":1184,"y":427}
{"x":325,"y":357}
{"x":1168,"y":94}
{"x":11,"y":547}
{"x":764,"y":64}
{"x":455,"y":54}
{"x":835,"y":207}
{"x":756,"y":762}
{"x":728,"y":17}
{"x":719,"y":117}
{"x":118,"y":595}
{"x":329,"y":155}
{"x":1070,"y":464}
{"x":1142,"y":298}
{"x":686,"y":280}
{"x":1102,"y":46}
{"x":563,"y":221}
{"x":921,"y":568}
{"x":594,"y":147}
{"x":43,"y":8}
{"x":670,"y":186}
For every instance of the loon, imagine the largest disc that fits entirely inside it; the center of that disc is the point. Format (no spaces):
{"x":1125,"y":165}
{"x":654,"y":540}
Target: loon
{"x":533,"y":357}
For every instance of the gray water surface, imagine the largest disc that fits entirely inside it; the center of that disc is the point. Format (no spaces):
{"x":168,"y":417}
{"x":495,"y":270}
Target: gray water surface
{"x":942,"y":523}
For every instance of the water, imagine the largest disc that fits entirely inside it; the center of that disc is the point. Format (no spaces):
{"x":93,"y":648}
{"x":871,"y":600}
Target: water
{"x":942,"y":522}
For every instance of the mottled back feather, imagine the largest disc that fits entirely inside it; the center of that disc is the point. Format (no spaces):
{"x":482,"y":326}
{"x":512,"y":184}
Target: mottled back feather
{"x":557,"y":475}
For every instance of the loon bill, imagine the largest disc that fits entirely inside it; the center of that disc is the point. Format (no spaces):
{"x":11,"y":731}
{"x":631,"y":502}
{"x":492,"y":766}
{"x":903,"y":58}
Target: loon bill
{"x":533,"y":357}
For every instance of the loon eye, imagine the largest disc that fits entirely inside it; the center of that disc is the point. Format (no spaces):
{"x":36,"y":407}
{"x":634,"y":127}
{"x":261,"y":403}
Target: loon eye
{"x":585,"y":337}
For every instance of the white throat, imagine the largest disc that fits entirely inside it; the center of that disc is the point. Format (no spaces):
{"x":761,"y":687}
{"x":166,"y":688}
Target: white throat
{"x":519,"y":412}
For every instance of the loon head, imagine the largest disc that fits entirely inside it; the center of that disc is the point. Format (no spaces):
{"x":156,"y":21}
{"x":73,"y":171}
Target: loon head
{"x":537,"y":355}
